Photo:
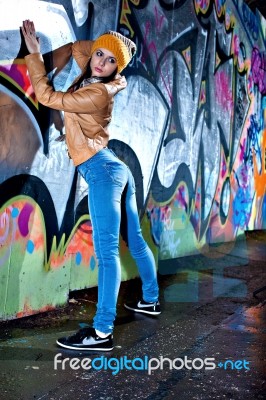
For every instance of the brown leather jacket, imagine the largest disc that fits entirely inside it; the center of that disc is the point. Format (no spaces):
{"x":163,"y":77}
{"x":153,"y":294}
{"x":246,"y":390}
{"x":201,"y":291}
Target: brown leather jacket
{"x":87,"y":110}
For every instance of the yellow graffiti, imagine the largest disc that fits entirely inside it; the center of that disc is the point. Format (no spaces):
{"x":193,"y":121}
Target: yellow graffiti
{"x":202,"y":6}
{"x":187,"y":56}
{"x":219,"y":7}
{"x":125,"y":11}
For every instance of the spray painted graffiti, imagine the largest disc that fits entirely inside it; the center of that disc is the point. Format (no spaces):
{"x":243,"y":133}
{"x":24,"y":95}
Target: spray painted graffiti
{"x":193,"y":136}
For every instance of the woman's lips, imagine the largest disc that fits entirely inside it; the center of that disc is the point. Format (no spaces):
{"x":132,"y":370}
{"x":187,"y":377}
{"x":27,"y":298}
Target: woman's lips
{"x":98,"y":69}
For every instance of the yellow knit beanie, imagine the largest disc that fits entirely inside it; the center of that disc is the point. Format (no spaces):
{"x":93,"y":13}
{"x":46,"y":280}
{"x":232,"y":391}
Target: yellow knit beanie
{"x":122,"y":47}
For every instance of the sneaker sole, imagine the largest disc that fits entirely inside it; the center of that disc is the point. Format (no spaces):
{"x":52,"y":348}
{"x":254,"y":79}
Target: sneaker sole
{"x":143,"y":311}
{"x":83,"y":348}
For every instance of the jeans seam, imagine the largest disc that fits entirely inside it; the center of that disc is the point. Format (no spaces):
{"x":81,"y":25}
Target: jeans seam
{"x":109,"y":172}
{"x":96,"y":224}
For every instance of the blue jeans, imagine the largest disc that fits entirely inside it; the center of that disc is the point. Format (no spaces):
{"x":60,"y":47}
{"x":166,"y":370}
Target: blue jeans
{"x":111,"y":186}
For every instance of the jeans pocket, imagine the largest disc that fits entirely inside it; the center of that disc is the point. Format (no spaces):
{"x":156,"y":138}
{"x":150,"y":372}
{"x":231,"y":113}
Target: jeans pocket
{"x":117,"y":172}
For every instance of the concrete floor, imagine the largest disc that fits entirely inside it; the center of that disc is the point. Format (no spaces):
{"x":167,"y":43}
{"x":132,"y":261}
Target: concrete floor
{"x":209,"y":311}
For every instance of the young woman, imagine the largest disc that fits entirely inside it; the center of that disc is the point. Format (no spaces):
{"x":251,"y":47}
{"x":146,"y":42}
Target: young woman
{"x":87,"y":107}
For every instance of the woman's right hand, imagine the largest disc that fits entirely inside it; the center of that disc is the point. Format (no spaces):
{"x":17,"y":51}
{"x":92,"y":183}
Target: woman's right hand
{"x":29,"y":33}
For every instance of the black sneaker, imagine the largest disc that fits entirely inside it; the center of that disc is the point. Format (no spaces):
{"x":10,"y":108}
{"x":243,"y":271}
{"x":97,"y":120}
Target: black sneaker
{"x":86,"y":339}
{"x":144,"y":307}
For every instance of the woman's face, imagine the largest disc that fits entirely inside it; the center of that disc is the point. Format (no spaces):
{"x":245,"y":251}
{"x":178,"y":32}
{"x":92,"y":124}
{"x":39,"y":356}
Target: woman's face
{"x":103,"y":63}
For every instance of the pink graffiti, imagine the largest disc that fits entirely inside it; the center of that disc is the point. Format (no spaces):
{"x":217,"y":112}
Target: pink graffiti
{"x":242,"y":150}
{"x":23,"y":219}
{"x":219,"y":6}
{"x":180,"y":199}
{"x":236,"y":45}
{"x":159,"y":19}
{"x":203,"y":93}
{"x":237,"y":52}
{"x":151,"y":48}
{"x":243,"y":174}
{"x":223,"y":91}
{"x":258,"y":69}
{"x":224,"y":168}
{"x":18,"y":73}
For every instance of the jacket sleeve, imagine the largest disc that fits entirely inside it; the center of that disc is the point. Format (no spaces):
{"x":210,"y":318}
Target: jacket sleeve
{"x":81,"y":51}
{"x":86,"y":100}
{"x":58,"y":58}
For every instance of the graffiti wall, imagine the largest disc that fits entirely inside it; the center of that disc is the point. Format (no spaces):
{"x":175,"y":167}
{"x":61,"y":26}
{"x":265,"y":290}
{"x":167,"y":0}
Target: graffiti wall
{"x":190,"y":125}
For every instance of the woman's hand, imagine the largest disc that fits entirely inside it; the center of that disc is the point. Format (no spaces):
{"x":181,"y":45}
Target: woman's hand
{"x":28,"y":31}
{"x":120,"y":82}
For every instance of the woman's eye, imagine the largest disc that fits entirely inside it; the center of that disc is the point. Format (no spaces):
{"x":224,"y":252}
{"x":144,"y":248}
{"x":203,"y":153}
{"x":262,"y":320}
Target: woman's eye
{"x":112,"y":60}
{"x":99,"y":53}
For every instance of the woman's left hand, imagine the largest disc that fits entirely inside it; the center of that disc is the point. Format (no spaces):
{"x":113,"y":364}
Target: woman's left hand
{"x":29,"y":33}
{"x":120,"y":81}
